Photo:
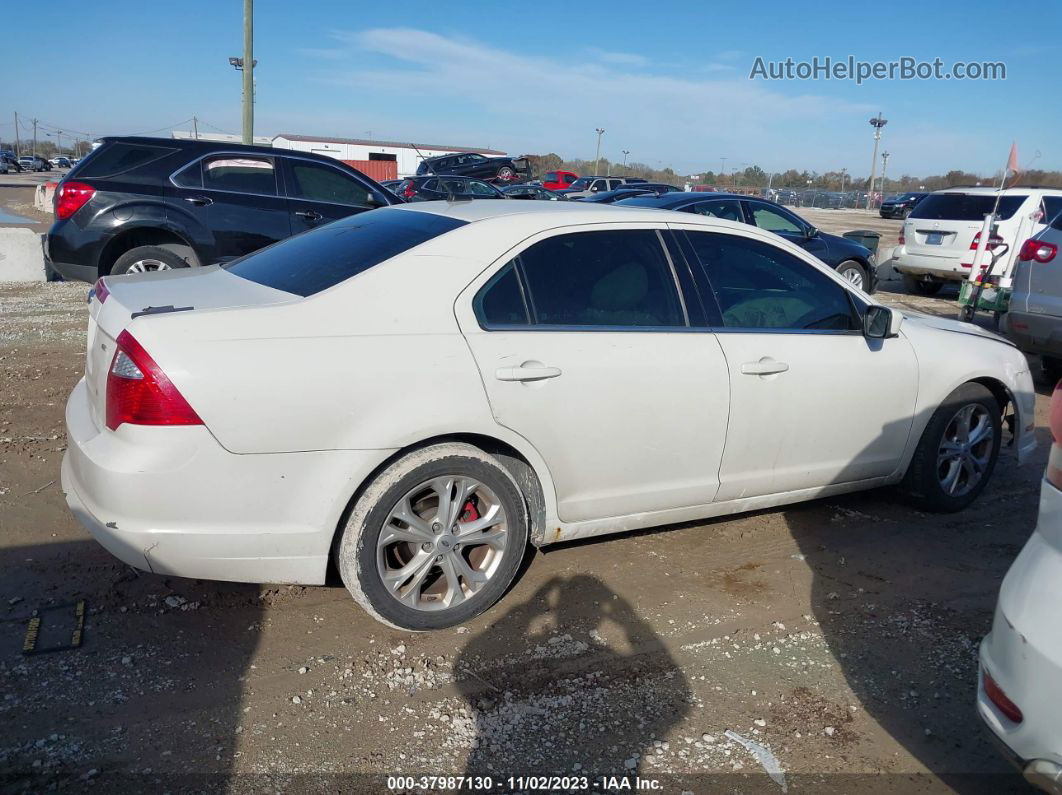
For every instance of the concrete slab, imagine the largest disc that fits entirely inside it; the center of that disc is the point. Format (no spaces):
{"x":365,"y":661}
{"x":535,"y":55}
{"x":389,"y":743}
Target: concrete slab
{"x":21,"y":256}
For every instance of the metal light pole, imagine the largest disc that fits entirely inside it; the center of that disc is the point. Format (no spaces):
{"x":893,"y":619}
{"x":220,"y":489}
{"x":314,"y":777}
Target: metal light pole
{"x":248,"y":71}
{"x":844,"y":173}
{"x":625,"y":153}
{"x":884,"y":165}
{"x":597,"y":157}
{"x":722,"y":168}
{"x":877,"y":123}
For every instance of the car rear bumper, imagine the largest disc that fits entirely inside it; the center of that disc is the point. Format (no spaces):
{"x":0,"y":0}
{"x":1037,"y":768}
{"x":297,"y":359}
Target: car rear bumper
{"x":1033,"y":333}
{"x":939,"y":266}
{"x":171,"y":500}
{"x":1023,"y":654}
{"x":81,"y":273}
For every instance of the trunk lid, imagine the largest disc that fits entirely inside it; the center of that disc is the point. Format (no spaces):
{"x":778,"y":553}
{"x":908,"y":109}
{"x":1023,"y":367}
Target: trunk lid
{"x":161,"y":292}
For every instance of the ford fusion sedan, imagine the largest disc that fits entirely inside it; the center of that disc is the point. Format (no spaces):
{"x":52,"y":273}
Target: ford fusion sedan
{"x":1020,"y":692}
{"x":854,"y":262}
{"x":417,"y":394}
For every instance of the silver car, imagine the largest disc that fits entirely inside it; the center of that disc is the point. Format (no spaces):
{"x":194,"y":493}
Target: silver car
{"x":1034,"y":320}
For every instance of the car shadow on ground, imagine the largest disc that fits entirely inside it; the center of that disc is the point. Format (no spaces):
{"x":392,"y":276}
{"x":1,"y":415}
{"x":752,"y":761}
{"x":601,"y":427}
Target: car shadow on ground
{"x":621,"y":692}
{"x":150,"y":701}
{"x":903,"y":599}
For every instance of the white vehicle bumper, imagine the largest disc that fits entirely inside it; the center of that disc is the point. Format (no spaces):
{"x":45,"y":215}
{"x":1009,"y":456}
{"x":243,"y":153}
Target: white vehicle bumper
{"x":942,"y":267}
{"x":171,"y":500}
{"x":1023,"y":654}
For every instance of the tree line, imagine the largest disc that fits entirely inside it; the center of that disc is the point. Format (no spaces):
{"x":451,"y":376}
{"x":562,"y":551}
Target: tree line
{"x":754,"y":176}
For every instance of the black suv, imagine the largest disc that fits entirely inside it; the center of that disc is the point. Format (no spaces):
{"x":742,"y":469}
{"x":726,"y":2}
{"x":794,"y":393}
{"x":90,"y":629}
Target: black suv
{"x":470,"y":164}
{"x":144,"y":204}
{"x":900,"y":206}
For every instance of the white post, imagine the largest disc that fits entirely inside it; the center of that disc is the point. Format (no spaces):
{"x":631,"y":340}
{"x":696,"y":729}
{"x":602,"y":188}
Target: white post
{"x":982,"y":246}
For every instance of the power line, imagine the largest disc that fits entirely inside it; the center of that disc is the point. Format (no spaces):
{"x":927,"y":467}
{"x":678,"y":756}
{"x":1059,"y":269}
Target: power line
{"x":162,"y":129}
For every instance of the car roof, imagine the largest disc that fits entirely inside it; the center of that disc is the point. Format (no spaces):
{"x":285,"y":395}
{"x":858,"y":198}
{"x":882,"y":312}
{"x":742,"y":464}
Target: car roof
{"x":674,"y":198}
{"x":989,"y":191}
{"x":558,"y":212}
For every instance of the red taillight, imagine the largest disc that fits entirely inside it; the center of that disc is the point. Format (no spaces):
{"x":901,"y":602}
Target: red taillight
{"x":138,"y":392}
{"x":71,"y":197}
{"x":1038,"y":251}
{"x":902,"y":239}
{"x":999,"y":698}
{"x":100,"y":290}
{"x":408,"y":191}
{"x":993,"y":241}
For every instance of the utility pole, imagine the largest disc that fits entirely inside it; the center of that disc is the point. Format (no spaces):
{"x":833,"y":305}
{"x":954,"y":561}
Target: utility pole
{"x":877,"y":123}
{"x":34,"y":153}
{"x":625,"y":153}
{"x":884,"y":165}
{"x":59,"y":142}
{"x":17,"y":153}
{"x":844,"y":173}
{"x":597,"y":157}
{"x":195,"y":127}
{"x":722,"y":169}
{"x":248,"y":72}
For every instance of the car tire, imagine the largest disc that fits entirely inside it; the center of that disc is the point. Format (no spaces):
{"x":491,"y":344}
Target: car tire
{"x":506,"y":174}
{"x":1052,"y":368}
{"x":145,"y":259}
{"x":854,"y":273}
{"x":377,"y":542}
{"x":920,"y":286}
{"x":928,"y":481}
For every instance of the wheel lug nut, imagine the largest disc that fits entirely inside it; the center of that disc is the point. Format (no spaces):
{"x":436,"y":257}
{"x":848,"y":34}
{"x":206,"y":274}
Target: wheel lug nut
{"x":426,"y":547}
{"x":436,"y":527}
{"x":438,"y":558}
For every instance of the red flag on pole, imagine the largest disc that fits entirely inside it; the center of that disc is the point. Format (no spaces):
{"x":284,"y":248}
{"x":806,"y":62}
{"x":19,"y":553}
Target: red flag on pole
{"x":1012,"y":161}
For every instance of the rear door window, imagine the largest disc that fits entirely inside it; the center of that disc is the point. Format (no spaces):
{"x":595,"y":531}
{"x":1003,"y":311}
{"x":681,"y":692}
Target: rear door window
{"x":240,"y":174}
{"x":190,"y":177}
{"x":618,"y":279}
{"x":319,"y":182}
{"x":727,"y":209}
{"x":965,"y":206}
{"x":323,"y":257}
{"x":1053,"y":211}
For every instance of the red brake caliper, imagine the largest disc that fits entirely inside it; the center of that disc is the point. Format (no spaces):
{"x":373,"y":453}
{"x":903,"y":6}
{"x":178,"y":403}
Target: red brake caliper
{"x":469,"y":514}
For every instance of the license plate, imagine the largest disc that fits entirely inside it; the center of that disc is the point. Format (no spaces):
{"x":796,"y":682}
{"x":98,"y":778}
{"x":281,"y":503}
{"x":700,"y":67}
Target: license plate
{"x":934,"y":238}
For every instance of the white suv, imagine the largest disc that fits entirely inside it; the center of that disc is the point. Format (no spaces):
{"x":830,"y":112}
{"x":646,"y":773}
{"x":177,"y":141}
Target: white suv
{"x":939,"y":237}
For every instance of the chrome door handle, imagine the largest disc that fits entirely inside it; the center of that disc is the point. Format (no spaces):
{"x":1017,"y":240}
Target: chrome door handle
{"x":526,"y":373}
{"x":309,"y":215}
{"x":765,"y":366}
{"x":199,"y":201}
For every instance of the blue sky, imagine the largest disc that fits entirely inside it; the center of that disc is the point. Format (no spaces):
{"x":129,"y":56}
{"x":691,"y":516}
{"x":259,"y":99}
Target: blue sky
{"x":666,"y":80}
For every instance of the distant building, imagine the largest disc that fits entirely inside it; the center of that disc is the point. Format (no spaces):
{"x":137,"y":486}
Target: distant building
{"x":404,"y":155}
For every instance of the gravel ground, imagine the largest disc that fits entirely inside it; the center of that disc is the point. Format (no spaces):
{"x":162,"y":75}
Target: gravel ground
{"x":832,"y":642}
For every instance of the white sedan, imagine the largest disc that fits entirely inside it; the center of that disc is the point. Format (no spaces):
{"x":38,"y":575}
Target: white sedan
{"x":1020,"y":692}
{"x":418,"y":393}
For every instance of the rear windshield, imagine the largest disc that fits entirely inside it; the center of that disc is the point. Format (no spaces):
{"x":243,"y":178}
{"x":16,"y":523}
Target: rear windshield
{"x":581,"y":183}
{"x":116,"y":158}
{"x":965,"y":206}
{"x":323,"y":257}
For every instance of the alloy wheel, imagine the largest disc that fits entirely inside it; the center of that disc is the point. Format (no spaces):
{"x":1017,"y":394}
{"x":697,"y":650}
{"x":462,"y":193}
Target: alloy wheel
{"x":853,"y":276}
{"x":965,"y":450}
{"x":147,"y":266}
{"x":442,"y":543}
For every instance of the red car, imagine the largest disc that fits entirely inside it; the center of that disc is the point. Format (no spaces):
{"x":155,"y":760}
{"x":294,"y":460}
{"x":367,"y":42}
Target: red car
{"x":559,"y":180}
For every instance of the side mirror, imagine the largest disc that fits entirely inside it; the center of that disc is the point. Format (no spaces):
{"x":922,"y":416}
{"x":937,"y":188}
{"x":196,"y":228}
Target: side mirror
{"x":811,"y":232}
{"x":881,"y":322}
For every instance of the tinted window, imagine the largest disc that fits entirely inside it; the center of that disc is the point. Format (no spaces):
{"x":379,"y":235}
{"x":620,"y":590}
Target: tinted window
{"x":1053,"y":211}
{"x":619,"y":278}
{"x":318,"y":259}
{"x":759,"y":286}
{"x":580,"y":184}
{"x":767,"y":217}
{"x":501,"y":301}
{"x":191,"y":177}
{"x":964,"y":206}
{"x":478,"y":188}
{"x":324,"y":183}
{"x":729,"y":209}
{"x":240,"y":174}
{"x":116,"y":158}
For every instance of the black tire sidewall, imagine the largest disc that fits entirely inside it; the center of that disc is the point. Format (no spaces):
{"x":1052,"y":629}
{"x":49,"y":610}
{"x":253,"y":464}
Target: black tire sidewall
{"x":120,"y":266}
{"x":921,"y":481}
{"x":499,"y":481}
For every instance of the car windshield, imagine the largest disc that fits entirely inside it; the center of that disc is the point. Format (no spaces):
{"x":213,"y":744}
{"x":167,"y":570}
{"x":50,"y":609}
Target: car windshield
{"x":965,"y":206}
{"x":581,"y":184}
{"x":550,"y":177}
{"x":323,"y":257}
